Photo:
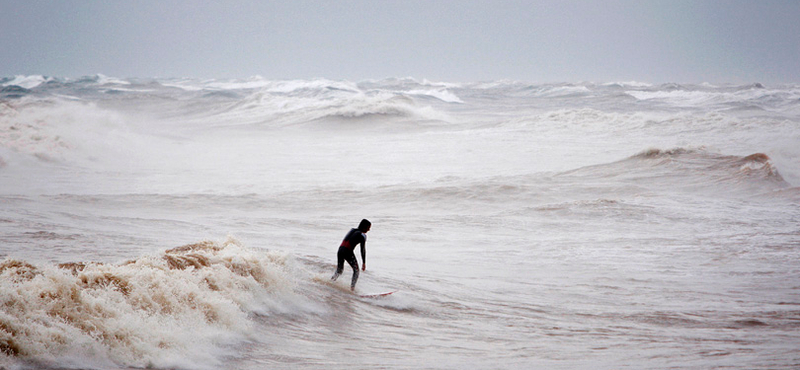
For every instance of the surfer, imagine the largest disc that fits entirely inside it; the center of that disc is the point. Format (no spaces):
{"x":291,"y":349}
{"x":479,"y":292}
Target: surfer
{"x":347,"y":251}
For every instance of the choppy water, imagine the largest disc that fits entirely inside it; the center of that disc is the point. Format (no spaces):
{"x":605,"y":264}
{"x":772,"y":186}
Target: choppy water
{"x":178,"y":223}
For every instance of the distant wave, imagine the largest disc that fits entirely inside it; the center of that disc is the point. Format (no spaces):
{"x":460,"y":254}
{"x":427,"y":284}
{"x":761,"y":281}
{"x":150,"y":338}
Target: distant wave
{"x":36,"y":81}
{"x":685,"y":98}
{"x":57,"y":129}
{"x":101,"y":79}
{"x":628,"y":84}
{"x":182,"y":304}
{"x":679,"y":95}
{"x":699,"y":168}
{"x":322,"y":88}
{"x":63,"y":120}
{"x":300,"y":103}
{"x":27,"y":82}
{"x":681,"y":170}
{"x":13,"y":92}
{"x":282,"y":86}
{"x":443,"y":95}
{"x":524,"y":89}
{"x":755,"y":95}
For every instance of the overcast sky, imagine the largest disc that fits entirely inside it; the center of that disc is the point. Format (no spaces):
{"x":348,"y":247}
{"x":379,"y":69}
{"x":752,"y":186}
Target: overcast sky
{"x":458,"y":40}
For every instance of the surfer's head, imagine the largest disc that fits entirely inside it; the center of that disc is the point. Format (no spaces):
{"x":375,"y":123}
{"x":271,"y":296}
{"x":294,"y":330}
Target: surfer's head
{"x":365,"y":225}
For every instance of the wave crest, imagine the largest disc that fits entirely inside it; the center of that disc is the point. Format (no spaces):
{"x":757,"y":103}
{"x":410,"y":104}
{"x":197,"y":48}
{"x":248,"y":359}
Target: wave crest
{"x":698,"y":167}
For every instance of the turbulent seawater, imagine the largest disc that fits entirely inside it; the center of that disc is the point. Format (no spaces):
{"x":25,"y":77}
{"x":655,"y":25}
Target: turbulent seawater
{"x":193,"y":224}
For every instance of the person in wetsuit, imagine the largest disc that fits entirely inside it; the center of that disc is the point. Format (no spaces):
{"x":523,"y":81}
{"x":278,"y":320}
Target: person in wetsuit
{"x":347,"y":251}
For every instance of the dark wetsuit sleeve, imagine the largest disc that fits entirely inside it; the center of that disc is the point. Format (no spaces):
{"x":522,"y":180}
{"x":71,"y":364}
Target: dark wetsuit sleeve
{"x":364,"y":250}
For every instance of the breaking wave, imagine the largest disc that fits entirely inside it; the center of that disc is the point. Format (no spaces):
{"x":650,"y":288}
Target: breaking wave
{"x":755,"y":95}
{"x":57,"y":130}
{"x":25,"y":82}
{"x":178,"y":308}
{"x":278,"y":109}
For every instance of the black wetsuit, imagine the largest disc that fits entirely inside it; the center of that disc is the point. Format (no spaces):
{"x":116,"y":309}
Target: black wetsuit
{"x":347,"y":253}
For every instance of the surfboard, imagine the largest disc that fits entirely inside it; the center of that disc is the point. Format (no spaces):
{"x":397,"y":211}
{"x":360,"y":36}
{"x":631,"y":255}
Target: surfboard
{"x":376,"y":295}
{"x":323,"y":279}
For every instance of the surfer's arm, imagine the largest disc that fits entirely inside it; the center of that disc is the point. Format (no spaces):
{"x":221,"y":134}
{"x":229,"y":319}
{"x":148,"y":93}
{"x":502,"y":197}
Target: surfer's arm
{"x":364,"y":255}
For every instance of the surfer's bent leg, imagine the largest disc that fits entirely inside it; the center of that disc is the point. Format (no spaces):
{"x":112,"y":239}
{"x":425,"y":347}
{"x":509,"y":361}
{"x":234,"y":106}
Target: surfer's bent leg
{"x":340,"y":256}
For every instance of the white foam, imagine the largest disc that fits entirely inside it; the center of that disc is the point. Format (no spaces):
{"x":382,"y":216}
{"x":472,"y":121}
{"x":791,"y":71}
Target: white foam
{"x":443,"y":95}
{"x":176,"y":309}
{"x":628,"y":84}
{"x":105,"y":80}
{"x":61,"y":130}
{"x":28,"y":82}
{"x":556,"y":91}
{"x":280,"y":86}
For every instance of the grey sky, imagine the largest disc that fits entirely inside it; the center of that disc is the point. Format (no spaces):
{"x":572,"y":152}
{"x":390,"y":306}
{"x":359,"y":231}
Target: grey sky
{"x":537,"y":41}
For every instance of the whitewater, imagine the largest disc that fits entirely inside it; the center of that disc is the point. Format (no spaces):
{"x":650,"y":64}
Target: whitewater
{"x":179,"y":223}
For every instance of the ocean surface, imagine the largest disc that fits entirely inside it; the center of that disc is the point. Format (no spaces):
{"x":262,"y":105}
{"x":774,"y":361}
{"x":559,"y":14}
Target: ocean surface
{"x":193,"y":224}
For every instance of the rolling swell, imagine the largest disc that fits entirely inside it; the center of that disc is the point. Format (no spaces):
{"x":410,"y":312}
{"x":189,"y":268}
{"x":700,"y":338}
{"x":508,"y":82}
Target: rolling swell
{"x":690,"y":170}
{"x":183,"y":304}
{"x":683,"y":170}
{"x":751,"y":171}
